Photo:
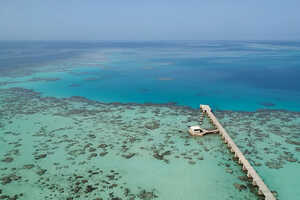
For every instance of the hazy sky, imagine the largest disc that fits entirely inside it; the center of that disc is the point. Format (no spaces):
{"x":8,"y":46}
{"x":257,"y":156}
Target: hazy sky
{"x":149,"y":19}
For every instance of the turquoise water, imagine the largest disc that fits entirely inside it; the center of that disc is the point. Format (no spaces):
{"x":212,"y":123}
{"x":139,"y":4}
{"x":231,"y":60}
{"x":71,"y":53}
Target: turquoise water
{"x":243,"y":76}
{"x":108,"y":120}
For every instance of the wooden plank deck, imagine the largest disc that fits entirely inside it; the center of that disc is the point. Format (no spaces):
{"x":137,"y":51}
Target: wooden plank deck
{"x":251,"y":173}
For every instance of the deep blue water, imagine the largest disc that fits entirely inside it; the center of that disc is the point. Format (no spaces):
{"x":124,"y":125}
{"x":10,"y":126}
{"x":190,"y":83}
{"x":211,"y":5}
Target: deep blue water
{"x":233,"y":75}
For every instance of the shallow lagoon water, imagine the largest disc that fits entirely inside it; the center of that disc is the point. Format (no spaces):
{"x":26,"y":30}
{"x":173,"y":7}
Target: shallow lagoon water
{"x":66,"y":139}
{"x":55,"y":146}
{"x":142,"y":151}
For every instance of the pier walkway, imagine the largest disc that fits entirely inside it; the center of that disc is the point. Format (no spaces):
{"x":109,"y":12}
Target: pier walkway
{"x":251,"y":173}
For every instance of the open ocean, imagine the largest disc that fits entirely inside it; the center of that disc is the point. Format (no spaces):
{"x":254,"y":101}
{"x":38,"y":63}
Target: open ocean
{"x":109,"y":120}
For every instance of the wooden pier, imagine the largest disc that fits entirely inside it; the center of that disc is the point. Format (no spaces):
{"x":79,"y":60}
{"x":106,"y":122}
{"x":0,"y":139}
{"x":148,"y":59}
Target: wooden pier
{"x":251,"y":173}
